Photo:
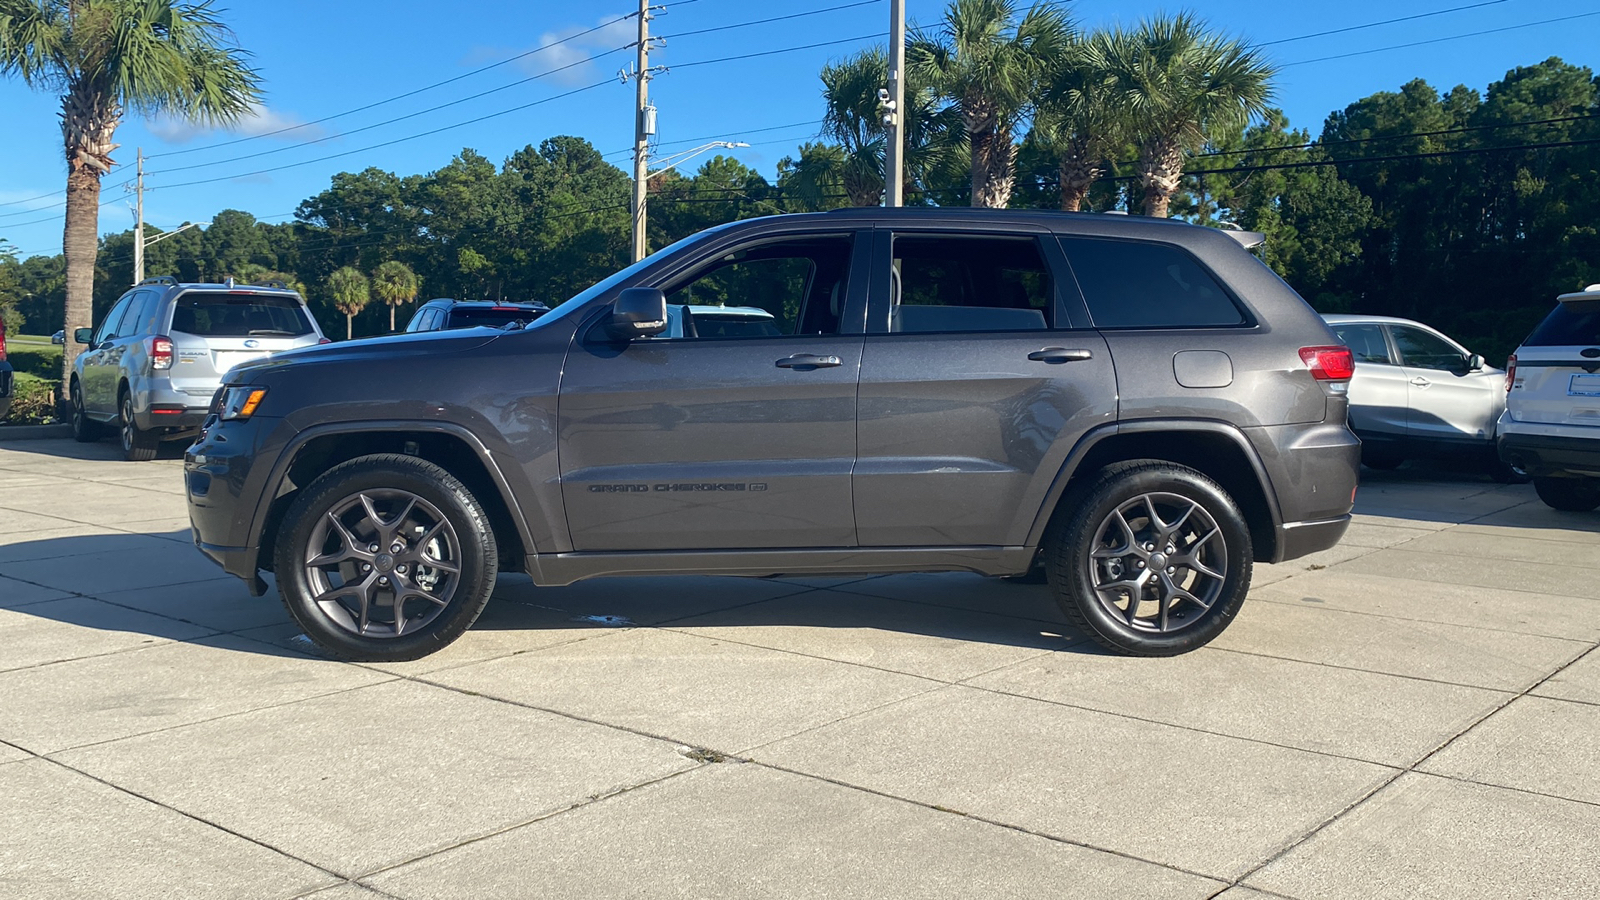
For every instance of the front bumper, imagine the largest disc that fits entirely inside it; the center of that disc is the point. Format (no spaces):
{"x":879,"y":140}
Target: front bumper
{"x":1544,"y":454}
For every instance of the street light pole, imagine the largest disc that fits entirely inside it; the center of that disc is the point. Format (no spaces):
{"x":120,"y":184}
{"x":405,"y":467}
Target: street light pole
{"x":138,"y":228}
{"x":895,"y":118}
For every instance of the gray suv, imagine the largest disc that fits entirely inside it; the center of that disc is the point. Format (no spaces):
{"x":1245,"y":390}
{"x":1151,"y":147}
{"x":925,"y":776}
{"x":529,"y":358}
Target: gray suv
{"x":1137,"y":407}
{"x":158,"y":357}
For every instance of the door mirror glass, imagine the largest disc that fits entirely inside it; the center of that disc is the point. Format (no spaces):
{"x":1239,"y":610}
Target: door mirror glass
{"x":638,"y":312}
{"x":83,"y":335}
{"x":1475,"y":363}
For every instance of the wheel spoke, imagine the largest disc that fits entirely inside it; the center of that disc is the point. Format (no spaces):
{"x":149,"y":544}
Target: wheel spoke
{"x":1193,"y":562}
{"x":1172,"y":528}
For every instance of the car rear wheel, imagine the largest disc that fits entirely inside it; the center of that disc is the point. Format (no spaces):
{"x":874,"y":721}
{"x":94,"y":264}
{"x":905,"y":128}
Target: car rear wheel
{"x":1150,"y":558}
{"x":1568,"y":494}
{"x":385,"y":558}
{"x":84,"y":429}
{"x":138,"y":445}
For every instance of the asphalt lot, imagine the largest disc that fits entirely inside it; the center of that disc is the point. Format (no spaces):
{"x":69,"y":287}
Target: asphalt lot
{"x":1415,"y":713}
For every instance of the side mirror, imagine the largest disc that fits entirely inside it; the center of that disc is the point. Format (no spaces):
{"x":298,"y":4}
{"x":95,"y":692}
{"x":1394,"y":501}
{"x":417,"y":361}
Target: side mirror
{"x":638,"y":312}
{"x":83,"y":335}
{"x":1475,"y":363}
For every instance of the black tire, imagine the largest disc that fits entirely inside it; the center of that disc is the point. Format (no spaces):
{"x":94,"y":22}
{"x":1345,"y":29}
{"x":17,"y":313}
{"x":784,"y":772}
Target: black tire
{"x":1088,"y":511}
{"x":331,"y":622}
{"x":138,"y":445}
{"x":1383,"y":461}
{"x":1568,"y":494}
{"x":84,"y":429}
{"x":1504,"y":473}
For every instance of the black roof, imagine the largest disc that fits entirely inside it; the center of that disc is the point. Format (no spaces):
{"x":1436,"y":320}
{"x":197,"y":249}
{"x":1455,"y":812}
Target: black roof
{"x":534,"y":306}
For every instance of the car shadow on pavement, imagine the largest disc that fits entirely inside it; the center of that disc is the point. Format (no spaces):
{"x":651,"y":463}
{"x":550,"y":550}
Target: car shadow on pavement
{"x":160,"y":586}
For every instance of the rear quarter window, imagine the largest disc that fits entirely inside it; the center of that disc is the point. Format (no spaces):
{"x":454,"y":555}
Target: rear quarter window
{"x":1569,"y":325}
{"x":1142,"y":284}
{"x":240,"y":315}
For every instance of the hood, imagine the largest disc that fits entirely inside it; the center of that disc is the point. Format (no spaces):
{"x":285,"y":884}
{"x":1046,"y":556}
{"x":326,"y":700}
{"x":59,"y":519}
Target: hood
{"x":388,"y":347}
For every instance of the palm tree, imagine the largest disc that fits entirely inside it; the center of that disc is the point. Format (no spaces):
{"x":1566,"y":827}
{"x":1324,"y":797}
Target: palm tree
{"x":1081,"y":118}
{"x":990,"y":64}
{"x":852,"y":117}
{"x":395,"y":284}
{"x":107,"y":58}
{"x":351,"y":293}
{"x":1180,"y":82}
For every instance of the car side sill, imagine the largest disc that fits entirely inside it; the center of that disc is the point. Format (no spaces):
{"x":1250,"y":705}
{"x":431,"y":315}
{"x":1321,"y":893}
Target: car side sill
{"x":557,"y":569}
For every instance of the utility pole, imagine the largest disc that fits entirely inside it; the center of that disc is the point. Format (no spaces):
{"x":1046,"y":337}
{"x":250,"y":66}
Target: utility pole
{"x":138,"y":228}
{"x":641,"y":140}
{"x":894,"y":114}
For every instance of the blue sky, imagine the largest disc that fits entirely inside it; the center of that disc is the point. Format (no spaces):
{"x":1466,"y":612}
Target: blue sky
{"x":322,"y":58}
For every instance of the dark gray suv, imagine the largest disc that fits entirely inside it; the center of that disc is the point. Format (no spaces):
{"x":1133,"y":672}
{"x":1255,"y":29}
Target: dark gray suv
{"x":1138,"y":407}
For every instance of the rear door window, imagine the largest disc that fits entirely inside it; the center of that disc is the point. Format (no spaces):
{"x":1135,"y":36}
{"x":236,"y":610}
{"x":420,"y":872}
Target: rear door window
{"x":1574,"y":324}
{"x":1365,"y":341}
{"x":108,"y":328}
{"x":240,"y":315}
{"x":950,"y":283}
{"x":1141,"y":284}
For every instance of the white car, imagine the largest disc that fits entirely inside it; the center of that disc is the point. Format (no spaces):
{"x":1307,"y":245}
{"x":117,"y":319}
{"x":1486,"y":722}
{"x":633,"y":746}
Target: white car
{"x":1551,"y":427}
{"x":1417,"y":393}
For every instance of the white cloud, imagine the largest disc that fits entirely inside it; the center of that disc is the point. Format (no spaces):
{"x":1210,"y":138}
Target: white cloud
{"x":547,"y":55}
{"x":258,"y":122}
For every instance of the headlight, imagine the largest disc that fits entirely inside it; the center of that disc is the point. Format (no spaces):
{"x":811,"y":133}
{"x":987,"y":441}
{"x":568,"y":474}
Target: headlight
{"x":239,"y":403}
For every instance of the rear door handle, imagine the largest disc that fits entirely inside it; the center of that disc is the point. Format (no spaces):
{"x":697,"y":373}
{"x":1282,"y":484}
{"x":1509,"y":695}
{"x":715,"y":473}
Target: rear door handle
{"x":809,"y":361}
{"x":1060,"y":355}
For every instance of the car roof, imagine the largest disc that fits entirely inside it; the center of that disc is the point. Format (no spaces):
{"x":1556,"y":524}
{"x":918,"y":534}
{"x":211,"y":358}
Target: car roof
{"x":488,"y":304}
{"x":1343,"y":319}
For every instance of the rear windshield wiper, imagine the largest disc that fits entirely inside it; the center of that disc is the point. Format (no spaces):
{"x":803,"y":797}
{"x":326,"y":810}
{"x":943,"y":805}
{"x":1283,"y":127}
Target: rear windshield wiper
{"x":273,"y":331}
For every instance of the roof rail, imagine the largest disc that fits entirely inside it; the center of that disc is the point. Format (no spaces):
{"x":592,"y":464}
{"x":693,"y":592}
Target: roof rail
{"x":160,"y":279}
{"x":271,"y":283}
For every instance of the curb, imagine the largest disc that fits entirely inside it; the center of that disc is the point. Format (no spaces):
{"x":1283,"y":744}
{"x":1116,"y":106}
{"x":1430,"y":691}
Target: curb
{"x":33,"y":432}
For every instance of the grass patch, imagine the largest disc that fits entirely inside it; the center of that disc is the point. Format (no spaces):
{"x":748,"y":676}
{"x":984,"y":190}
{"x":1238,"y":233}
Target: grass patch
{"x":42,"y":362}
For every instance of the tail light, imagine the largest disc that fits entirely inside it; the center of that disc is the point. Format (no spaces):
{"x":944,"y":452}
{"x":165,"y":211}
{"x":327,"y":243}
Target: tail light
{"x":1329,"y":363}
{"x":2,"y":341}
{"x":160,"y":353}
{"x":1511,"y":371}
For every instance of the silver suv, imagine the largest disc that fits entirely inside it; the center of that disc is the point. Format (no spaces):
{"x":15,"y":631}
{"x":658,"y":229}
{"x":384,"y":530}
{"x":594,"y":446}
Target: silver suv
{"x":159,"y":355}
{"x":1551,"y":427}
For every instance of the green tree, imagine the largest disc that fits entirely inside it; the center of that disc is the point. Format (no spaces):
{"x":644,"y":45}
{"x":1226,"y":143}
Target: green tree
{"x":990,"y":64}
{"x":107,"y":58}
{"x":1081,"y":119}
{"x":395,"y":284}
{"x":351,"y":292}
{"x":1179,"y":82}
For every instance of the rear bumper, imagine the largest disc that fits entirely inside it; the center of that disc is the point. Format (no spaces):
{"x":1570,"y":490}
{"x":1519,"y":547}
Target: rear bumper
{"x":1543,"y":454}
{"x":1297,"y":539}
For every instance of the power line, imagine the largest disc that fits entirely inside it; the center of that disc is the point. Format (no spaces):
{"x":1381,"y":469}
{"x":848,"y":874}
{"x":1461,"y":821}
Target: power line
{"x":723,"y":59}
{"x":798,"y":15}
{"x":412,"y":93}
{"x":1464,"y":129}
{"x":1440,"y":12}
{"x":24,"y":212}
{"x":1454,"y":37}
{"x":411,"y":115}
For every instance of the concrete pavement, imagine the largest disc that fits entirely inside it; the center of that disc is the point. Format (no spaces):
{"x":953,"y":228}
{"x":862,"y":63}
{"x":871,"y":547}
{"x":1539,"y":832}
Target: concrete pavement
{"x":1415,"y":713}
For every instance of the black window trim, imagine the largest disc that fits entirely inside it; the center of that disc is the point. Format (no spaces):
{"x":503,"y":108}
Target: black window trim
{"x":1249,"y":320}
{"x":882,"y":290}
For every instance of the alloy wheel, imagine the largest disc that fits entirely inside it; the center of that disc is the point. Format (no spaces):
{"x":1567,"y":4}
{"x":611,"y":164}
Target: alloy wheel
{"x":1158,"y":562}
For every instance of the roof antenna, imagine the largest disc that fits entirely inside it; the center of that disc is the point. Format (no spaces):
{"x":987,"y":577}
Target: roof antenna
{"x":230,"y":282}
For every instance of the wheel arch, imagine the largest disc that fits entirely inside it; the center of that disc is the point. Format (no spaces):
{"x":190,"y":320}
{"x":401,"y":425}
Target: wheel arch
{"x":1217,"y":450}
{"x":451,"y":447}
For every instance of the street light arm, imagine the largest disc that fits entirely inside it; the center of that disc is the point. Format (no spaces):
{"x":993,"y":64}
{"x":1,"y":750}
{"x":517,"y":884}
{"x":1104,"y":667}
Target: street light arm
{"x":677,"y":159}
{"x":179,"y":230}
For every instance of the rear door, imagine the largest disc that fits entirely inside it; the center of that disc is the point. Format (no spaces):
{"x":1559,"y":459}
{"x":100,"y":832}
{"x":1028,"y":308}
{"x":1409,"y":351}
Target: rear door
{"x":1558,"y":369}
{"x":1378,"y":392}
{"x":213,"y":331}
{"x":738,"y":442}
{"x":975,"y":381}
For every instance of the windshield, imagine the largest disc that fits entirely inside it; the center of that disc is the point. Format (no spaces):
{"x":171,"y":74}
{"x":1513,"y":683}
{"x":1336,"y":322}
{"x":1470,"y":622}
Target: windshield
{"x":493,"y":317}
{"x":1569,"y":325}
{"x":240,"y":315}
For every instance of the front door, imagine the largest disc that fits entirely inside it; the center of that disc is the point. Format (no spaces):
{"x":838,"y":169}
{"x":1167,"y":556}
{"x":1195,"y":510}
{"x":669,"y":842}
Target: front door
{"x":735,"y":429}
{"x":100,"y":363}
{"x":975,"y":381}
{"x":1447,"y":402}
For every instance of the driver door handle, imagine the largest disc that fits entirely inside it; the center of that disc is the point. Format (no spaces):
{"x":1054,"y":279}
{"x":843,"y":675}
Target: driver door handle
{"x":1419,"y":381}
{"x":809,"y":361}
{"x":1060,"y":355}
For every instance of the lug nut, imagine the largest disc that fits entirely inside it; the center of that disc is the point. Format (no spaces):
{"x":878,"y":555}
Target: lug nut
{"x":1150,"y":546}
{"x":1172,"y":570}
{"x":383,"y":580}
{"x":396,"y":547}
{"x":366,"y":567}
{"x":1140,"y":563}
{"x":401,"y":570}
{"x":373,"y":548}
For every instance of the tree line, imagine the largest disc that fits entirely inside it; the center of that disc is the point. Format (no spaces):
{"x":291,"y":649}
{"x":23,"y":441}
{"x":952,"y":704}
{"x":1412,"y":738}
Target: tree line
{"x":1467,"y":209}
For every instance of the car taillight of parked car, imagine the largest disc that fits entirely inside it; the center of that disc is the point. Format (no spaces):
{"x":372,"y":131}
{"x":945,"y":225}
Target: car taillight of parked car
{"x":1511,"y":371}
{"x":160,"y":353}
{"x":2,"y":342}
{"x":1329,"y":363}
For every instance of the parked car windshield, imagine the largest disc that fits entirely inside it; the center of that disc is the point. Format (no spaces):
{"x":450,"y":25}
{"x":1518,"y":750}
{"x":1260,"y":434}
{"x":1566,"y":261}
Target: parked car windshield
{"x":240,"y":315}
{"x":494,"y":317}
{"x":1569,"y":325}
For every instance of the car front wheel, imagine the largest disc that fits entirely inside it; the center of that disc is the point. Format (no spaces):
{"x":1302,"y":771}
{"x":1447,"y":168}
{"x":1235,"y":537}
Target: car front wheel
{"x":1150,"y":558}
{"x":84,"y":429}
{"x":138,"y":445}
{"x":385,"y":558}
